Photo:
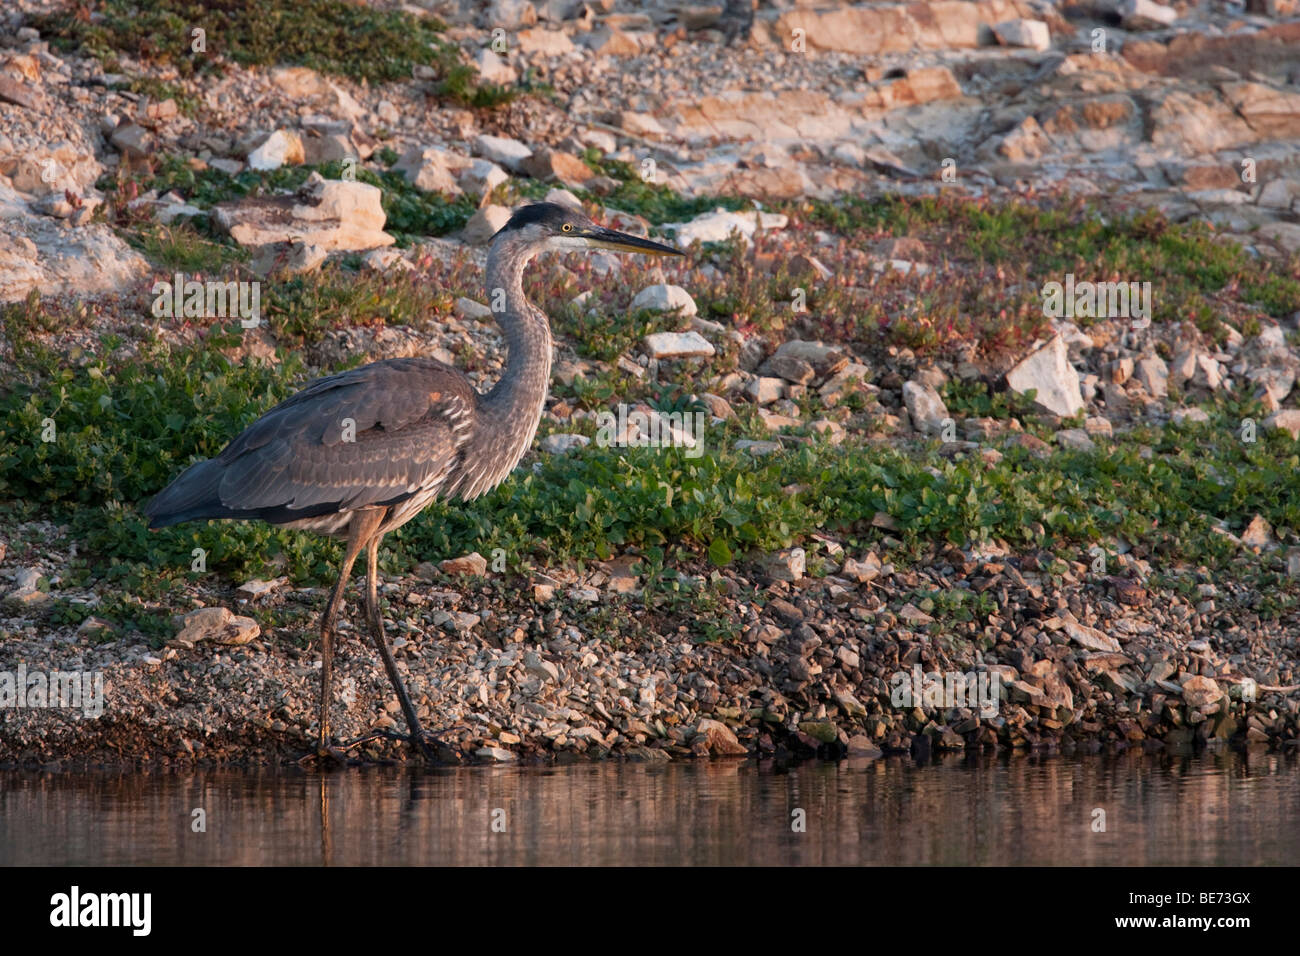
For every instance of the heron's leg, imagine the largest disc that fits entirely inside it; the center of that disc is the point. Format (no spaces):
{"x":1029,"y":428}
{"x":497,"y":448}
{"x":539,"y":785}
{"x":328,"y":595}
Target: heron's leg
{"x":362,"y":527}
{"x":377,"y":632}
{"x":327,"y":652}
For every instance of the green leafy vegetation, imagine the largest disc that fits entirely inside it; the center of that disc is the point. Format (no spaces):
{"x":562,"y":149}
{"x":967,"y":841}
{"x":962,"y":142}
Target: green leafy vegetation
{"x":121,"y":433}
{"x":606,"y":337}
{"x":303,"y":308}
{"x":182,"y":247}
{"x":955,"y":605}
{"x":332,"y":36}
{"x":124,"y":431}
{"x":976,"y":400}
{"x":1190,"y":270}
{"x":459,"y":84}
{"x":22,"y":321}
{"x":123,"y":613}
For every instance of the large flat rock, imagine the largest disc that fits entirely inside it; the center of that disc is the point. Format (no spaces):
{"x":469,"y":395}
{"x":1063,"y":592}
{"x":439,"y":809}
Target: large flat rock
{"x":331,"y":214}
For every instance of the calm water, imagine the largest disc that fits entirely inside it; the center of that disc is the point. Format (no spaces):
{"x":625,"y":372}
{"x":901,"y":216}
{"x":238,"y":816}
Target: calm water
{"x":1216,"y":809}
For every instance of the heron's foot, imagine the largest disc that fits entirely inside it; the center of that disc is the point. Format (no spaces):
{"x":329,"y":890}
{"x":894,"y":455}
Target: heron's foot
{"x":433,"y":747}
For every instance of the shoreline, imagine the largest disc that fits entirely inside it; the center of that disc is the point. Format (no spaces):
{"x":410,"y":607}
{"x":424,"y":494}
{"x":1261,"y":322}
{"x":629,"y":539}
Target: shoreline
{"x":812,"y":672}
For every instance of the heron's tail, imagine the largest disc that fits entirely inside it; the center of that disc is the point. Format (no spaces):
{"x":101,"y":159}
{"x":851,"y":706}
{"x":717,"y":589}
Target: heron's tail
{"x":192,"y":496}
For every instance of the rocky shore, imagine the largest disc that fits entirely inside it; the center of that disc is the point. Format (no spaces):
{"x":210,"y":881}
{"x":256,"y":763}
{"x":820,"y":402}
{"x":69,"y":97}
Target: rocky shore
{"x":1089,"y":509}
{"x":505,"y":674}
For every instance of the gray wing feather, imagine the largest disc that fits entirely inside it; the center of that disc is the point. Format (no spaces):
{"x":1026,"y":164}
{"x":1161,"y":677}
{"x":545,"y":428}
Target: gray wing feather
{"x":402,"y":416}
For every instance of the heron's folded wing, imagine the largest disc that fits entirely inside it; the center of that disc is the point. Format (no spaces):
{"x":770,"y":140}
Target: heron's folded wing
{"x":373,"y":435}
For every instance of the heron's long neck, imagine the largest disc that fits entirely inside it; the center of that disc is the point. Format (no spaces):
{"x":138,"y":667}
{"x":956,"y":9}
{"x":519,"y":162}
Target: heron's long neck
{"x":515,"y":402}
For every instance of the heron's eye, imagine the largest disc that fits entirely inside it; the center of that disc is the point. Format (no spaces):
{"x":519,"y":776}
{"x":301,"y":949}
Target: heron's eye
{"x":567,"y":227}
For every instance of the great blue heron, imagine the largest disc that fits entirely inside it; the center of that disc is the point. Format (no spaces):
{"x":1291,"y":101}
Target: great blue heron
{"x":357,"y":454}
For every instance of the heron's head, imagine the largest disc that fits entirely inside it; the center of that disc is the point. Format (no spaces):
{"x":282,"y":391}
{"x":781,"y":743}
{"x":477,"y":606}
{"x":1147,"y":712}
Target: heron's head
{"x":548,"y":225}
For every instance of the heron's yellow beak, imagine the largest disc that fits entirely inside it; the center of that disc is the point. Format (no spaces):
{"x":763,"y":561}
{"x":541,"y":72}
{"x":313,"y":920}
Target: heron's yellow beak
{"x":599,"y":238}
